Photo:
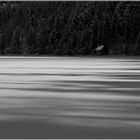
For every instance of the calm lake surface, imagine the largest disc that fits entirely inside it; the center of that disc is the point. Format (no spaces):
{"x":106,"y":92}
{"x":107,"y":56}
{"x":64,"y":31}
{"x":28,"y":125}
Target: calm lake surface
{"x":79,"y":95}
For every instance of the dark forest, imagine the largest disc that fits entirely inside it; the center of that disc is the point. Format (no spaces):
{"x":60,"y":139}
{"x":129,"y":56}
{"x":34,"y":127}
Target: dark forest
{"x":69,"y":27}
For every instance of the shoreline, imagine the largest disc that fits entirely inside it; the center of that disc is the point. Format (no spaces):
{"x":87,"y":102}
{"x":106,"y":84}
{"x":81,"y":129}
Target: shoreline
{"x":69,"y":56}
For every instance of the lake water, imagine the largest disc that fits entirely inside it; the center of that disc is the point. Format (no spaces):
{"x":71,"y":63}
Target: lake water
{"x":85,"y":92}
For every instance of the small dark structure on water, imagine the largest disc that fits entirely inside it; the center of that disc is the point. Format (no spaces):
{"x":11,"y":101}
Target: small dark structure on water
{"x":101,"y":50}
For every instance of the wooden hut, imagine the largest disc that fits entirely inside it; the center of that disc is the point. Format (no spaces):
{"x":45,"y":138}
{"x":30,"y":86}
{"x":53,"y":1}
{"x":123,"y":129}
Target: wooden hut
{"x":101,"y":50}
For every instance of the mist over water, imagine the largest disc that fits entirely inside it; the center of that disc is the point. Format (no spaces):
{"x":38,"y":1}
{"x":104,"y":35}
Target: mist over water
{"x":101,"y":92}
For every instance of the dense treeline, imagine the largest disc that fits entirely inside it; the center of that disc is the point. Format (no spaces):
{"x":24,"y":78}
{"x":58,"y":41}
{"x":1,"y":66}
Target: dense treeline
{"x":69,"y":28}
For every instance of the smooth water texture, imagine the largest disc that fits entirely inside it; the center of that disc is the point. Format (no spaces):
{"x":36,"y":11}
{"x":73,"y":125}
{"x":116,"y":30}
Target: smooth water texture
{"x":91,"y":92}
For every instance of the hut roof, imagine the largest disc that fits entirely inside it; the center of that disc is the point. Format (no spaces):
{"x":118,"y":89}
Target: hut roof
{"x":99,"y":48}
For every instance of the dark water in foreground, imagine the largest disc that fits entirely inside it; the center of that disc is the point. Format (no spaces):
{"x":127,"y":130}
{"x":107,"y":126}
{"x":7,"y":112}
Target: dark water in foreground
{"x":69,"y":97}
